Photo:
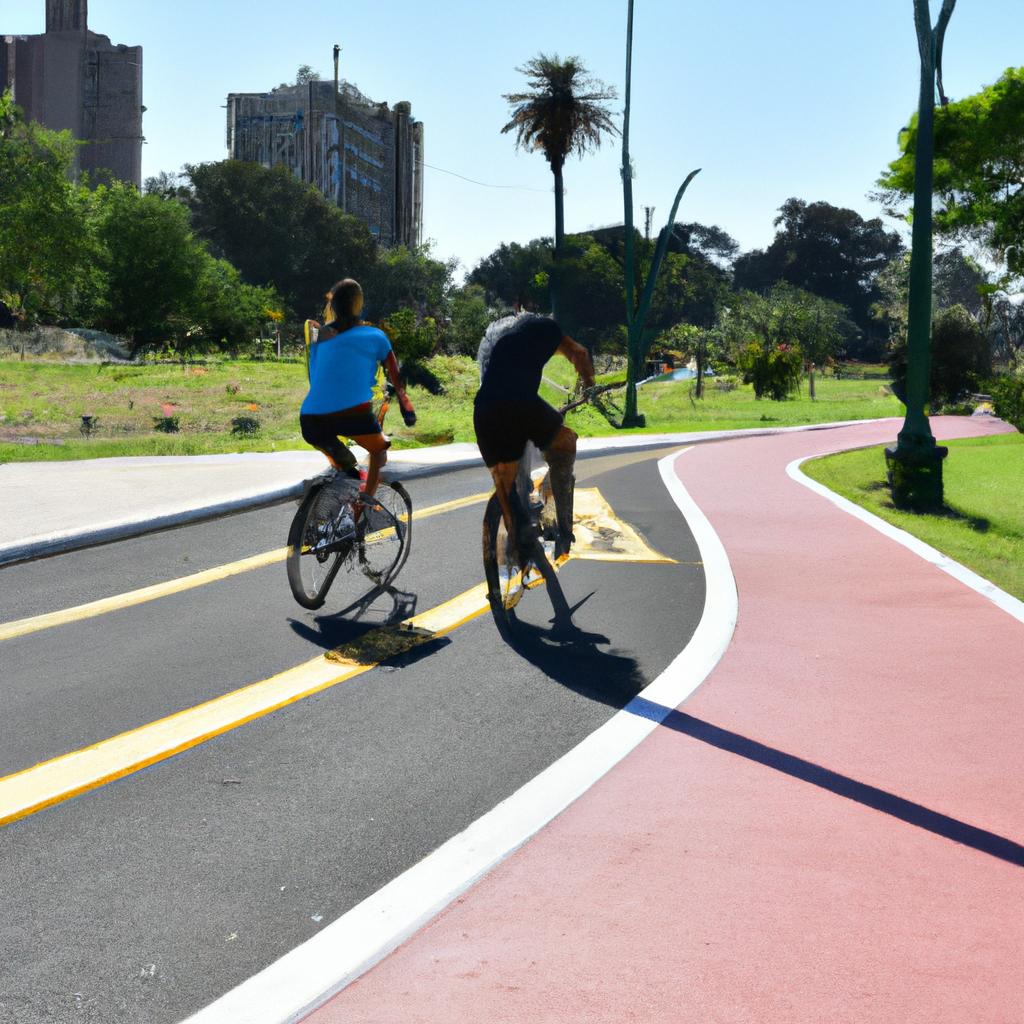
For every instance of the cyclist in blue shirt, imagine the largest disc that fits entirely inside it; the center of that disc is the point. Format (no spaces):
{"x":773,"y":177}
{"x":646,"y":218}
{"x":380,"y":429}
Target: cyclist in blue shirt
{"x":343,"y":365}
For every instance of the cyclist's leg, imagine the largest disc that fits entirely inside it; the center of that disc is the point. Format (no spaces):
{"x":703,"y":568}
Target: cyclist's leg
{"x":377,"y":445}
{"x":319,"y":432}
{"x":504,"y":476}
{"x":560,"y":455}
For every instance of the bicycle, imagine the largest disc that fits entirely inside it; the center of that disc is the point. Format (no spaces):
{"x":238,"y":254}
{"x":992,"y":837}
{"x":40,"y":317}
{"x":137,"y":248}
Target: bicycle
{"x":340,"y":528}
{"x":512,"y":569}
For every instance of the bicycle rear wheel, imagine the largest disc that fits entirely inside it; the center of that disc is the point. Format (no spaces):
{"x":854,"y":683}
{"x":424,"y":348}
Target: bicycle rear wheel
{"x":506,"y":580}
{"x":315,"y":553}
{"x":385,"y":532}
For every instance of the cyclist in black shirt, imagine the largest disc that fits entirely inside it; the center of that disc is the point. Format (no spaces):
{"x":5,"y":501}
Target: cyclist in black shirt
{"x":508,"y":411}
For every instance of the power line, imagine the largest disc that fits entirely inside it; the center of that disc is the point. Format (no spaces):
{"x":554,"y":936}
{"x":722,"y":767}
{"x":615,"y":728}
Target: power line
{"x":520,"y":188}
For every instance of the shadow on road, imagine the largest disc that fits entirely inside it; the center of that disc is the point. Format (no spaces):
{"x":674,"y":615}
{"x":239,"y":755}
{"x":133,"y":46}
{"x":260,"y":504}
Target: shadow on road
{"x":841,"y":785}
{"x":574,"y":660}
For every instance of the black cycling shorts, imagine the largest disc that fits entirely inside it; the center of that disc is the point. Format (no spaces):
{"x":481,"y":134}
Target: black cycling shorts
{"x":504,"y":426}
{"x":323,"y":431}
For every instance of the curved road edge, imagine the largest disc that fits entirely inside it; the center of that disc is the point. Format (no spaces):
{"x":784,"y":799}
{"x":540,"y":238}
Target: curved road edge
{"x":308,"y":976}
{"x":1007,"y":602}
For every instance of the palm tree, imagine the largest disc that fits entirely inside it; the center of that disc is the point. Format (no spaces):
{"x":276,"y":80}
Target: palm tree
{"x":563,"y":112}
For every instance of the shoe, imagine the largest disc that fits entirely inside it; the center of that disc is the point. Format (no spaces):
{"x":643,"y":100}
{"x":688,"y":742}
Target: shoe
{"x":563,"y":543}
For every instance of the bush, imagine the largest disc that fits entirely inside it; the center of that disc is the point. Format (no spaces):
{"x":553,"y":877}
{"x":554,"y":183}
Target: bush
{"x":166,"y":424}
{"x":774,"y":371}
{"x":960,"y":359}
{"x":1008,"y":398}
{"x":245,"y":426}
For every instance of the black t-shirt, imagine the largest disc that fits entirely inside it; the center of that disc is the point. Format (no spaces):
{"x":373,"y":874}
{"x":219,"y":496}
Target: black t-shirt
{"x":516,"y":359}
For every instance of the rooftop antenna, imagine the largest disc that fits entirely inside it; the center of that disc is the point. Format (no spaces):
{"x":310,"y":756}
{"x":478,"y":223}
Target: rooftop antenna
{"x":337,"y":53}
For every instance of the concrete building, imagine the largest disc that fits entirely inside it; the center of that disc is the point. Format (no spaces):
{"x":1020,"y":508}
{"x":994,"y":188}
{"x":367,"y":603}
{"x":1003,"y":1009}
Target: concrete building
{"x":71,"y":78}
{"x":365,"y":157}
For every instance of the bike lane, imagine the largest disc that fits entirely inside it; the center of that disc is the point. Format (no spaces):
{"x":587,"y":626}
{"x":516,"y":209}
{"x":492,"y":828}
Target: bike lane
{"x":829,"y":829}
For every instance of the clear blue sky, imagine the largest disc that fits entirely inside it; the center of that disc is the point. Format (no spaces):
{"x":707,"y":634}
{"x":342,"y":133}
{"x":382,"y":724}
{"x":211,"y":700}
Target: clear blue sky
{"x":793,"y":98}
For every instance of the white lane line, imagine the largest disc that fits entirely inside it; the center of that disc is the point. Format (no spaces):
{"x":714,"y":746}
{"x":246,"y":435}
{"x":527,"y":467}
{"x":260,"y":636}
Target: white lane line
{"x":309,"y":975}
{"x":1000,"y":598}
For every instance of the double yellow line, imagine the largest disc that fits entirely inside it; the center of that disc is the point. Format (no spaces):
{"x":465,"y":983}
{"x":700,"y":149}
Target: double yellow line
{"x":23,"y":627}
{"x":51,"y":782}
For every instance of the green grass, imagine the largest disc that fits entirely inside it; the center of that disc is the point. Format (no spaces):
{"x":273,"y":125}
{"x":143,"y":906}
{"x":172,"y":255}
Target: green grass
{"x":42,"y":403}
{"x":983,"y":525}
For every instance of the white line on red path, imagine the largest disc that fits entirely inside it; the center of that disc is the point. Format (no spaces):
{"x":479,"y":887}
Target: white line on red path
{"x":310,"y":974}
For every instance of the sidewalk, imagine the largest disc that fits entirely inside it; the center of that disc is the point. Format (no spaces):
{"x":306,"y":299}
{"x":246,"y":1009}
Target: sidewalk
{"x":49,"y":507}
{"x":829,"y":831}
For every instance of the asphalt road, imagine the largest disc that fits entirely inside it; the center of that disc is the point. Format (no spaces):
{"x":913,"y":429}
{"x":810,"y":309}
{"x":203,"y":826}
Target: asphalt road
{"x":147,"y":898}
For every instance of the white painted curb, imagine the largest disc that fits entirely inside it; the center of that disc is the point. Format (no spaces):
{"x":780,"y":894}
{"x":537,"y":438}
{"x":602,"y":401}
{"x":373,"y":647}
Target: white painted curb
{"x":1007,"y":602}
{"x":309,"y":975}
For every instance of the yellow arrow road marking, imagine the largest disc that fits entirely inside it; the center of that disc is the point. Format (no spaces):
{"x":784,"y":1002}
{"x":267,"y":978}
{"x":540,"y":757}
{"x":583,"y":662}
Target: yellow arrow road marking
{"x":22,"y":627}
{"x":54,"y":781}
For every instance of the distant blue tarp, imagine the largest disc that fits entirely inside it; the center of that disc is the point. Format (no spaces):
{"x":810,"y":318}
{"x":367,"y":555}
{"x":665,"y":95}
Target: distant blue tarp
{"x":683,"y":373}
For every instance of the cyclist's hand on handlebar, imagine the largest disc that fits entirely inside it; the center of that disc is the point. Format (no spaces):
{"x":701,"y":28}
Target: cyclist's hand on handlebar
{"x":408,"y":412}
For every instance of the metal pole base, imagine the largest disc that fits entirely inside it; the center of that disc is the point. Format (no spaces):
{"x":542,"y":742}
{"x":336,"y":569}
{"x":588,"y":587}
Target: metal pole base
{"x":915,"y":477}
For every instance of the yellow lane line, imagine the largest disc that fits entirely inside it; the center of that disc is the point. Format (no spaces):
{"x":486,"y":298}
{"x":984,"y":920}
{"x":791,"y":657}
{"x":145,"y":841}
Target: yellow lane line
{"x":80,"y":771}
{"x":22,"y":627}
{"x":69,"y":775}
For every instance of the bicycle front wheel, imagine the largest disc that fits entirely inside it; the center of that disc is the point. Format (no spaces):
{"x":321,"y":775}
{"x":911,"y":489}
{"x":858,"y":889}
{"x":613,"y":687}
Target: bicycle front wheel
{"x":385,"y":532}
{"x":314,"y":558}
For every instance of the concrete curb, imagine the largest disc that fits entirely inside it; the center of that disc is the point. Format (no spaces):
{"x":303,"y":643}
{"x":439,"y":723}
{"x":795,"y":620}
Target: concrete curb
{"x":412,"y":466}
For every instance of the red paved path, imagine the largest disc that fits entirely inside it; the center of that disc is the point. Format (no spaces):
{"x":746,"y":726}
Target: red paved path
{"x":697,"y":883}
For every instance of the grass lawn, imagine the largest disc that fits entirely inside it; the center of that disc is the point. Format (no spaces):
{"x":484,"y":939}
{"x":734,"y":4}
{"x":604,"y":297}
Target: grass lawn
{"x":983,"y":525}
{"x":42,"y":403}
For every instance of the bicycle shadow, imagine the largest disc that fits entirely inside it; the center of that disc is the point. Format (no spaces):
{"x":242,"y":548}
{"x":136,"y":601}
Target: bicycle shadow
{"x":572,"y":658}
{"x":361,"y":629}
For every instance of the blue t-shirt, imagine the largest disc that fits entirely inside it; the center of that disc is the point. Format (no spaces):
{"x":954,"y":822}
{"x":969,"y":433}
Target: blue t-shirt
{"x":343,"y":369}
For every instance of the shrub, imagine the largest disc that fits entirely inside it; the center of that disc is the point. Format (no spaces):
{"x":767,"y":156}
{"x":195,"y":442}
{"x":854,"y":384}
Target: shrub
{"x":166,"y":424}
{"x":774,"y":371}
{"x":960,"y":358}
{"x":1008,"y":398}
{"x":245,"y":426}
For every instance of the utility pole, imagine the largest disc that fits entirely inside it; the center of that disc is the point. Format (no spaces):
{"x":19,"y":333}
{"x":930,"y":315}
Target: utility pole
{"x":915,"y":465}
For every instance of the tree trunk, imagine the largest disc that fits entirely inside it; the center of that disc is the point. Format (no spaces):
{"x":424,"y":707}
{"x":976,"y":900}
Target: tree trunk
{"x":556,"y":266}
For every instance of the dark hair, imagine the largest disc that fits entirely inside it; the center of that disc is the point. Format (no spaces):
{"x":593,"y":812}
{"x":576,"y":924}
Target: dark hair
{"x":343,"y":298}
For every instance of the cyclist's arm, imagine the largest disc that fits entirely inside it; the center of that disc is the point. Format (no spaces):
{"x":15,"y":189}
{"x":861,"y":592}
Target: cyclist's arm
{"x":580,"y":359}
{"x":394,"y":375}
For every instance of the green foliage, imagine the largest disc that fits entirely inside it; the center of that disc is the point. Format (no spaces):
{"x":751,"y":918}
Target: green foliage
{"x":512,"y":274}
{"x":404,"y":279}
{"x":414,"y":339}
{"x":772,"y":370}
{"x":151,"y":264}
{"x":960,"y":358}
{"x":278,"y":231}
{"x":46,"y":244}
{"x":470,"y":316}
{"x":245,"y":426}
{"x":229,"y":311}
{"x":1007,"y":392}
{"x":979,"y":165}
{"x":831,"y":252}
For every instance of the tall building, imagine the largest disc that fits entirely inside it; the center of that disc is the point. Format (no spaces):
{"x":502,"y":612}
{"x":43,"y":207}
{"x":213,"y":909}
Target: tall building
{"x":71,"y":78}
{"x":365,"y":157}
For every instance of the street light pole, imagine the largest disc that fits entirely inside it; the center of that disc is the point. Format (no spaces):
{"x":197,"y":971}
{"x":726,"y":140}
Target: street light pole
{"x":915,"y":464}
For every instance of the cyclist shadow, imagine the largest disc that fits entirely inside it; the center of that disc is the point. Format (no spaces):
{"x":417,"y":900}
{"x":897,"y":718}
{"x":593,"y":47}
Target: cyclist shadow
{"x":572,"y":658}
{"x":379,"y":611}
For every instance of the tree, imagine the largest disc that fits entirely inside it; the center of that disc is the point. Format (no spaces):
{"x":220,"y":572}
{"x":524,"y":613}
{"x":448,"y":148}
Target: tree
{"x":46,"y":245}
{"x":470,"y":315}
{"x":277,"y":230}
{"x":961,"y":359}
{"x":563,"y":112}
{"x":515,"y":275}
{"x":151,"y":263}
{"x":830,"y":251}
{"x":403,"y":278}
{"x":306,"y":74}
{"x":979,"y":167}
